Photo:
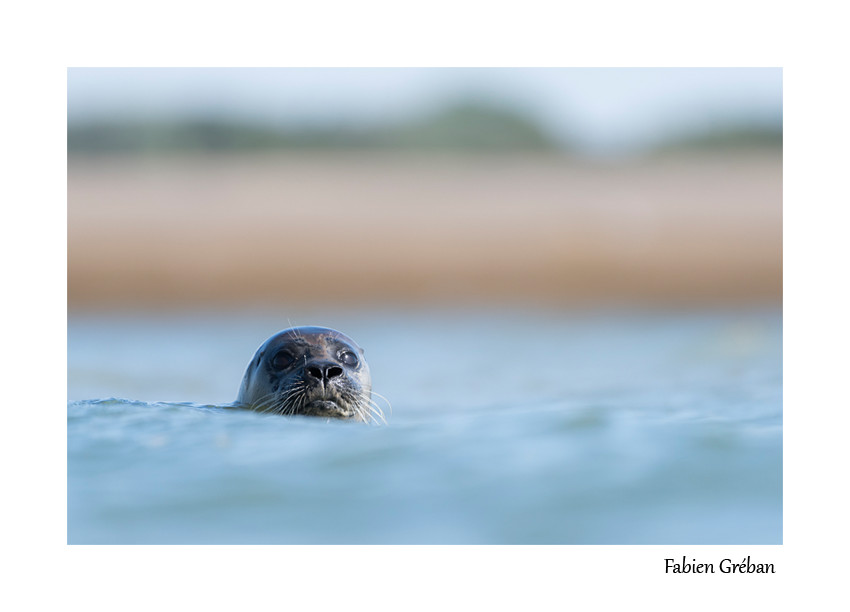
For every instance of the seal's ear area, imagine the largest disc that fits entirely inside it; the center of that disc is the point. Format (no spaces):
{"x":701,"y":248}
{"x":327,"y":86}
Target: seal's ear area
{"x":362,"y":352}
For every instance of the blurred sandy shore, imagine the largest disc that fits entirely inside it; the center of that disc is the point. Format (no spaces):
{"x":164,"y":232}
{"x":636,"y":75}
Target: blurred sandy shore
{"x":331,"y":229}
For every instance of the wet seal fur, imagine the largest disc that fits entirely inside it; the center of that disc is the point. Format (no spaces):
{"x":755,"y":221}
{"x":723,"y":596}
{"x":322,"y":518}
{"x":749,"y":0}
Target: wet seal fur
{"x":313,"y":371}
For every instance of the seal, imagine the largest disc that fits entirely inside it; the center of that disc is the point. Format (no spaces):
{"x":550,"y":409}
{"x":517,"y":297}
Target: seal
{"x":313,"y":371}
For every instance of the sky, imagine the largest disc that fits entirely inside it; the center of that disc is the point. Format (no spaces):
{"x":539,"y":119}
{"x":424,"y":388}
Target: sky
{"x":599,"y":109}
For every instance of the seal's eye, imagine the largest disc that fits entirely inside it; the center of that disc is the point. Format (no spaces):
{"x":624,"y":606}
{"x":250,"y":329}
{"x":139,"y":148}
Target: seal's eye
{"x":348,"y":358}
{"x":283,"y":359}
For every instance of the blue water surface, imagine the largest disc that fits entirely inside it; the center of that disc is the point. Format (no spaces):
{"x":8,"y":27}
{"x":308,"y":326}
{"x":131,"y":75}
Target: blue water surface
{"x":526,"y":427}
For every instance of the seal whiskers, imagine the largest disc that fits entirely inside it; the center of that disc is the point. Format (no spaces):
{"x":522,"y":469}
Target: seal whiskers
{"x":383,"y":397}
{"x":374,"y":411}
{"x":274,"y":404}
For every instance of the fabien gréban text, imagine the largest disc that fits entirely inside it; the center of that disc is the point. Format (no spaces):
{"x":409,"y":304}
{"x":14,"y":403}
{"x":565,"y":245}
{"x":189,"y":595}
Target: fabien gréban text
{"x":726,"y":566}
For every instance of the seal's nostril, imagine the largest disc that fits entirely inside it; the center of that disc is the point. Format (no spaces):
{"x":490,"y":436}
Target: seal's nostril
{"x":334,"y":371}
{"x":315,"y":372}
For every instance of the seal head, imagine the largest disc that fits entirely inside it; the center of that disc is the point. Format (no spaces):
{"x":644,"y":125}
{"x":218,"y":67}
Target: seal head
{"x":313,"y":371}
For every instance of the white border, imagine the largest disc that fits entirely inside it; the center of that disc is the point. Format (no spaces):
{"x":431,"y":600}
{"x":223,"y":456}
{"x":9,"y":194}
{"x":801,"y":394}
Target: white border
{"x":44,"y":39}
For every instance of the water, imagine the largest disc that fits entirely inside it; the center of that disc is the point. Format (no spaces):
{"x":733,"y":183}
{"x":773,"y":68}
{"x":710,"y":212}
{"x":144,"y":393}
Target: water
{"x":506,"y":427}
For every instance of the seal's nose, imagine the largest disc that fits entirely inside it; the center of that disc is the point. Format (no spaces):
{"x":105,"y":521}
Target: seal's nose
{"x":323,"y":370}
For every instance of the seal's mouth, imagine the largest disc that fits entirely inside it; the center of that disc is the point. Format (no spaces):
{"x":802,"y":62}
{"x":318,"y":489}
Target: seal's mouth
{"x":329,"y":402}
{"x":327,"y":408}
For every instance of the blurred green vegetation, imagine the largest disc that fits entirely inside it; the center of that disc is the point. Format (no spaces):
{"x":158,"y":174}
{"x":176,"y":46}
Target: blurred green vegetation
{"x":469,"y":126}
{"x":732,"y":135}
